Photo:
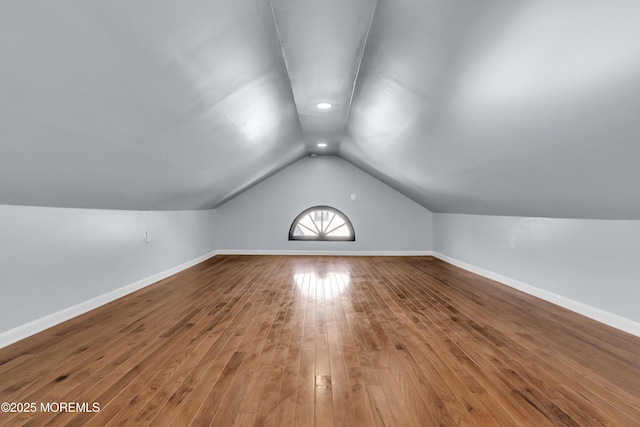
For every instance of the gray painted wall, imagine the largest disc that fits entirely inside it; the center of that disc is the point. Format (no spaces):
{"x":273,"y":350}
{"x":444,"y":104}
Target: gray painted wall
{"x":384,"y":220}
{"x":596,"y":262}
{"x":54,"y":258}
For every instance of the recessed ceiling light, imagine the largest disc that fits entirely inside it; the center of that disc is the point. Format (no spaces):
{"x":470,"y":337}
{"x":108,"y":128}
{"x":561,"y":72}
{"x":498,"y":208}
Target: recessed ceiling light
{"x":324,"y":105}
{"x":322,"y":144}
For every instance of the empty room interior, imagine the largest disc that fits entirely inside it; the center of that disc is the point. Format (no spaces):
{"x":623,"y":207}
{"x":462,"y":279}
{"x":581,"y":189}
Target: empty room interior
{"x":317,"y":213}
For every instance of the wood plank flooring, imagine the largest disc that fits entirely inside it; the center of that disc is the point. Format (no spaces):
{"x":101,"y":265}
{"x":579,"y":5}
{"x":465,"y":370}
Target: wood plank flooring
{"x":281,"y":341}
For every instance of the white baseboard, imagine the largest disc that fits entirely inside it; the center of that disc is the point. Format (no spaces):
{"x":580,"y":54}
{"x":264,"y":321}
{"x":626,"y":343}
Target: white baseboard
{"x":16,"y":334}
{"x":23,"y":331}
{"x":327,"y":253}
{"x":602,"y":316}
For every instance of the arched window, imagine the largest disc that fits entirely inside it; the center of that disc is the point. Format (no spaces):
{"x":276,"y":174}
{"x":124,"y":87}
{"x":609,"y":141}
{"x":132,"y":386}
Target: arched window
{"x":322,"y":223}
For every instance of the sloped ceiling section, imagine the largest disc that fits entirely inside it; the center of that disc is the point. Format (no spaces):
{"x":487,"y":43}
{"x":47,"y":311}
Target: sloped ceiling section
{"x":527,"y":108}
{"x":496,"y":107}
{"x":322,"y":44}
{"x":141,"y":105}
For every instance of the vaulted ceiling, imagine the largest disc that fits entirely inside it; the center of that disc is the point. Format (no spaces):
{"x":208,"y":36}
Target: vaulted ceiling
{"x":491,"y":107}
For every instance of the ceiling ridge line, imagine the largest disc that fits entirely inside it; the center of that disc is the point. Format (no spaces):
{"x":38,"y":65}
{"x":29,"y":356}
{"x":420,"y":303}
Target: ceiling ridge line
{"x":286,"y":65}
{"x":360,"y":56}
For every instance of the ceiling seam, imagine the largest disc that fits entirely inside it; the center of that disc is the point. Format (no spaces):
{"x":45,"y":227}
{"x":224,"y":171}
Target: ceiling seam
{"x":360,"y":56}
{"x":286,"y":66}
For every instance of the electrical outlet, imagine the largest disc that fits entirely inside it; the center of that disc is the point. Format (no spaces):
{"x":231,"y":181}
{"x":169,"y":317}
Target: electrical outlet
{"x":353,"y":197}
{"x":512,"y":242}
{"x":147,"y":236}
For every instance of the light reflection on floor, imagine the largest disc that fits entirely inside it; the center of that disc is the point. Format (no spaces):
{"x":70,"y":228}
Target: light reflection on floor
{"x":328,"y":283}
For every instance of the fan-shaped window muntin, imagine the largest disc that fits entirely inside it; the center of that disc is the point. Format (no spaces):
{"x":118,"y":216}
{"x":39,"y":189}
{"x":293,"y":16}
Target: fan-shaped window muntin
{"x":322,"y":223}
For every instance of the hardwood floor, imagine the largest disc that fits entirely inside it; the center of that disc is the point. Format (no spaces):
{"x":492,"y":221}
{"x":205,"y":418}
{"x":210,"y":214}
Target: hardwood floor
{"x":270,"y":340}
